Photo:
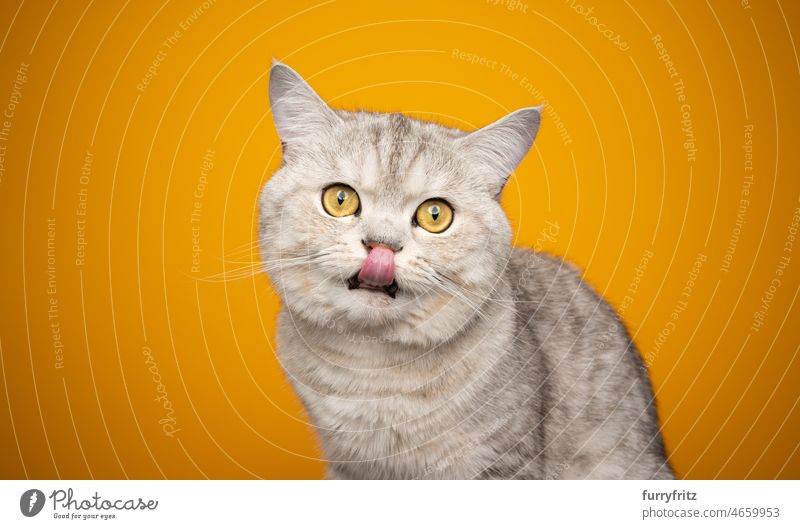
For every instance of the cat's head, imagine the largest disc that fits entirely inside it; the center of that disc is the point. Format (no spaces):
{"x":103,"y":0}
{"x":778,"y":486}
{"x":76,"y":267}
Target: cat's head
{"x":385,"y":223}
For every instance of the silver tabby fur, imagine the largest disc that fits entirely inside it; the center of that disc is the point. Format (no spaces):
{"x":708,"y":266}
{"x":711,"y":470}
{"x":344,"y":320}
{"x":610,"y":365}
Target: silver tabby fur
{"x":492,"y":361}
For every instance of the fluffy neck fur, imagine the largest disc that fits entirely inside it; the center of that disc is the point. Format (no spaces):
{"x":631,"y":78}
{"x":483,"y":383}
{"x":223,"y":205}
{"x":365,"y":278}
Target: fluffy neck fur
{"x":384,"y":408}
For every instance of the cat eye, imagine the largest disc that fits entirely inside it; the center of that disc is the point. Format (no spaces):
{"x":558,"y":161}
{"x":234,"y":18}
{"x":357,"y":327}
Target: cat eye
{"x":434,"y":215}
{"x":340,"y":200}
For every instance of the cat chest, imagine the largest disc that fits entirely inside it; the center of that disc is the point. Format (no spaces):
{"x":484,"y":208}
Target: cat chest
{"x":400,"y":429}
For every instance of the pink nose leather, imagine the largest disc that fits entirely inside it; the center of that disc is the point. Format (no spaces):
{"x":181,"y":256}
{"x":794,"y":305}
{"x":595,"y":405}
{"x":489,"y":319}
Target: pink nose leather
{"x":378,"y":268}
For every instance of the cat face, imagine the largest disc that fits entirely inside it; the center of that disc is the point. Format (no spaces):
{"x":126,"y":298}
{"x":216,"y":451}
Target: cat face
{"x":384,"y":223}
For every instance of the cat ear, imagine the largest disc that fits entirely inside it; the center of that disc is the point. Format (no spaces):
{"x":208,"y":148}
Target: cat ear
{"x":500,"y":147}
{"x":297,"y":110}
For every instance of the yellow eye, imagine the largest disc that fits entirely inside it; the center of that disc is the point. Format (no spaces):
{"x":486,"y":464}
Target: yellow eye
{"x":434,"y":215}
{"x":340,"y":200}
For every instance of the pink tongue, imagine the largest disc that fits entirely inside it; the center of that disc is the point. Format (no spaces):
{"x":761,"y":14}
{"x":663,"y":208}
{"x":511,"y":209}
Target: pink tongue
{"x":378,"y":268}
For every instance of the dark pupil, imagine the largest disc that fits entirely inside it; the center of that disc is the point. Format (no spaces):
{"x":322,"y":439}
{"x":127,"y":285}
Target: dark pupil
{"x":340,"y":197}
{"x":435,"y":212}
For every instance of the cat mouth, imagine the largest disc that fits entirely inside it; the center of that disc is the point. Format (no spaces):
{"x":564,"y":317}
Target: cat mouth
{"x":355,"y":283}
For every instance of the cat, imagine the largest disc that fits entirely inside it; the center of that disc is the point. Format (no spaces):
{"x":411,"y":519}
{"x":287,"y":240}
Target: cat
{"x":421,"y":343}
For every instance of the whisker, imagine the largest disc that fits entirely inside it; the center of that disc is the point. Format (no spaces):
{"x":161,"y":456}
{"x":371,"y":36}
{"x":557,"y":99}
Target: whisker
{"x":251,"y":269}
{"x":507,"y":303}
{"x":248,"y":246}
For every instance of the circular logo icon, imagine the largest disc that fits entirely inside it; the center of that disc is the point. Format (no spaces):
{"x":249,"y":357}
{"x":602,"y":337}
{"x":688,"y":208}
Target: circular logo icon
{"x":31,"y":502}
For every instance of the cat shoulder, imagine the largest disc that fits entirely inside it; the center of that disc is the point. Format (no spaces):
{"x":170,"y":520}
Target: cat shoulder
{"x":542,"y":276}
{"x":542,"y":269}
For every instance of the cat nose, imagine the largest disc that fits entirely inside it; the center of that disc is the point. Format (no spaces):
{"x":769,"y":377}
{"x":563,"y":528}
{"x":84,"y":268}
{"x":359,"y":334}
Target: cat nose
{"x":371,"y":243}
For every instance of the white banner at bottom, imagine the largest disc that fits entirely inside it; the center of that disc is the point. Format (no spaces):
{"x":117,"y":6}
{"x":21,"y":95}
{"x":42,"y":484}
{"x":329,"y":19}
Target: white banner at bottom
{"x":383,"y":505}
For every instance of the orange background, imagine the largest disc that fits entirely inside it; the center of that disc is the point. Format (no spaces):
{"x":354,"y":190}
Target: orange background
{"x":166,"y":161}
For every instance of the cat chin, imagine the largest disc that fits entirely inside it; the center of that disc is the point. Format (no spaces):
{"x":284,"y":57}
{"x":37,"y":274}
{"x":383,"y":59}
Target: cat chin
{"x":416,"y":316}
{"x":373,"y":317}
{"x":371,"y":298}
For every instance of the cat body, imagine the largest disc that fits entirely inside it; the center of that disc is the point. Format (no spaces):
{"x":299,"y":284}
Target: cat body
{"x":421,"y":343}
